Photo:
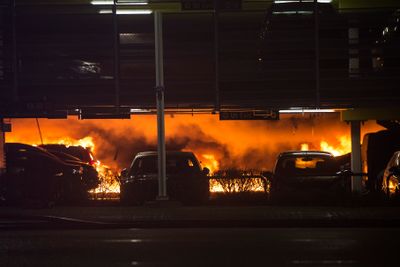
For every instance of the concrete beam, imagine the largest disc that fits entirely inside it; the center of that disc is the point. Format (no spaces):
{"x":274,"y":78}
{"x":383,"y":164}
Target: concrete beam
{"x":364,"y":114}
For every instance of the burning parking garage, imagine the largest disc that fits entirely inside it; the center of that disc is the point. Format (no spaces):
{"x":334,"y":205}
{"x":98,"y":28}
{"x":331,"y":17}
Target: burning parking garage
{"x":238,"y":132}
{"x":113,"y":143}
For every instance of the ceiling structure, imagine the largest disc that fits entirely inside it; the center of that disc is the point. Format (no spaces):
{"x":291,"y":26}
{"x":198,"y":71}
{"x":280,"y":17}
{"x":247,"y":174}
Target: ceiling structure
{"x":61,"y":57}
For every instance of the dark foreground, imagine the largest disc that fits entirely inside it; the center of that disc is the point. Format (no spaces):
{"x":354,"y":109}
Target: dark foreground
{"x":202,"y":247}
{"x":174,"y":235}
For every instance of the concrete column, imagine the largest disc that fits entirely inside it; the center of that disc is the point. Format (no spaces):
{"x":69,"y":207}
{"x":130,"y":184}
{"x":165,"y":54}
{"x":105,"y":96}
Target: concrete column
{"x":356,"y":180}
{"x":162,"y":176}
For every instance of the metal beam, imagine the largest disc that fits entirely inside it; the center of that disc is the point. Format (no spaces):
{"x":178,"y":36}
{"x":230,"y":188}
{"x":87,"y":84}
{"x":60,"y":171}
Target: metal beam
{"x":162,"y":176}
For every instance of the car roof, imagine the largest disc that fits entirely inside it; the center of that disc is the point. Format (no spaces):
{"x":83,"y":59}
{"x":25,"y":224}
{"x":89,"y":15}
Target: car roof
{"x":305,"y":153}
{"x":35,"y":149}
{"x":25,"y":146}
{"x":169,"y":153}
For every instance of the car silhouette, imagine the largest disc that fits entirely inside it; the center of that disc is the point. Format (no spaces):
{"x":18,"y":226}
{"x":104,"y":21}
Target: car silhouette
{"x":308,"y":175}
{"x":186,"y":181}
{"x":391,"y":177}
{"x":37,"y":177}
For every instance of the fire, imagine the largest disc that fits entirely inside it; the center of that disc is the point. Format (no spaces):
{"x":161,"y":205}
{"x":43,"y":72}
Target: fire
{"x":343,"y":148}
{"x":304,"y":147}
{"x":209,"y":161}
{"x":109,"y":185}
{"x":86,"y":142}
{"x":236,"y":185}
{"x":108,"y":179}
{"x":237,"y":181}
{"x":217,"y":144}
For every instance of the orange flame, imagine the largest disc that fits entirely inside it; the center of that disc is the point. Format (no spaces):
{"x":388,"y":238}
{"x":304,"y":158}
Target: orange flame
{"x":108,"y":179}
{"x":304,"y":147}
{"x":209,"y":161}
{"x":236,"y":185}
{"x":343,"y":148}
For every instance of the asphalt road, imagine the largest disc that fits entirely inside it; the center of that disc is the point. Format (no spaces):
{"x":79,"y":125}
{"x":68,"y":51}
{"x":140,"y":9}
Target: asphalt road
{"x":202,"y":247}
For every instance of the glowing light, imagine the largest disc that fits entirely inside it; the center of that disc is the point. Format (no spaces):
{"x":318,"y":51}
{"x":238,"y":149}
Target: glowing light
{"x":109,"y":2}
{"x":300,"y":110}
{"x":297,"y":1}
{"x":98,"y":2}
{"x":127,"y":11}
{"x":134,"y":11}
{"x":138,"y":110}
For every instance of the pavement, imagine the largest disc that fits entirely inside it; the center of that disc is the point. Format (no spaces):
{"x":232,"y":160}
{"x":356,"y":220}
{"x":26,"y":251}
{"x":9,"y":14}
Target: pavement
{"x":167,"y":214}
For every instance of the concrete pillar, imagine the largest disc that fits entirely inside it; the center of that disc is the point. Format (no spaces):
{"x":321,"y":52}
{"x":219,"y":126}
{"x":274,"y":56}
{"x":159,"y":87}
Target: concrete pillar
{"x":356,"y":180}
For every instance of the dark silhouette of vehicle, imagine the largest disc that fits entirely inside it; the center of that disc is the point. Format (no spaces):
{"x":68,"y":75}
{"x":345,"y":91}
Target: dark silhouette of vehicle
{"x":307,"y":175}
{"x":35,"y":176}
{"x":391,"y":177}
{"x":90,"y":176}
{"x":186,"y":181}
{"x":83,"y":154}
{"x":376,"y":151}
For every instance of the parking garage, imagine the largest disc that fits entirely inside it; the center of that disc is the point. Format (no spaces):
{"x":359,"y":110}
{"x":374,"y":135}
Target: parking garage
{"x":217,"y":127}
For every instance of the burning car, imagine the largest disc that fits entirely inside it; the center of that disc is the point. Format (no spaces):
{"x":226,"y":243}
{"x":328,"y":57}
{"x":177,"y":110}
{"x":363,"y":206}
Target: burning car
{"x":34,"y":175}
{"x":90,"y":176}
{"x":391,"y":177}
{"x":308,"y":174}
{"x":80,"y":152}
{"x":186,"y":181}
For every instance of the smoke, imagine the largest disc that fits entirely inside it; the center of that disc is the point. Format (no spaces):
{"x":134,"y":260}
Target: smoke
{"x":234,"y":144}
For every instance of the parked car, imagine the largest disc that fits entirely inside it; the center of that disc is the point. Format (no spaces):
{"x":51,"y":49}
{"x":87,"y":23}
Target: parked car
{"x":186,"y":181}
{"x":84,"y":154}
{"x":376,"y":151}
{"x":33,"y":175}
{"x":391,"y":177}
{"x":305,"y":175}
{"x":90,"y":176}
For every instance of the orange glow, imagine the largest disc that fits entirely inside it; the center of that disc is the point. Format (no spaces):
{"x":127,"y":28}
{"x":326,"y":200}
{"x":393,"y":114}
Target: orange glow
{"x":109,"y":184}
{"x":108,"y":179}
{"x":304,"y":147}
{"x":209,"y":161}
{"x":344,"y":146}
{"x":236,"y":185}
{"x":86,"y":142}
{"x":219,"y":145}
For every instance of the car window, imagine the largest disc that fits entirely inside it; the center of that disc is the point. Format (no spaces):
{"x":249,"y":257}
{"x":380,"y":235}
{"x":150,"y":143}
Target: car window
{"x":144,"y":165}
{"x":175,"y":164}
{"x":306,"y":165}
